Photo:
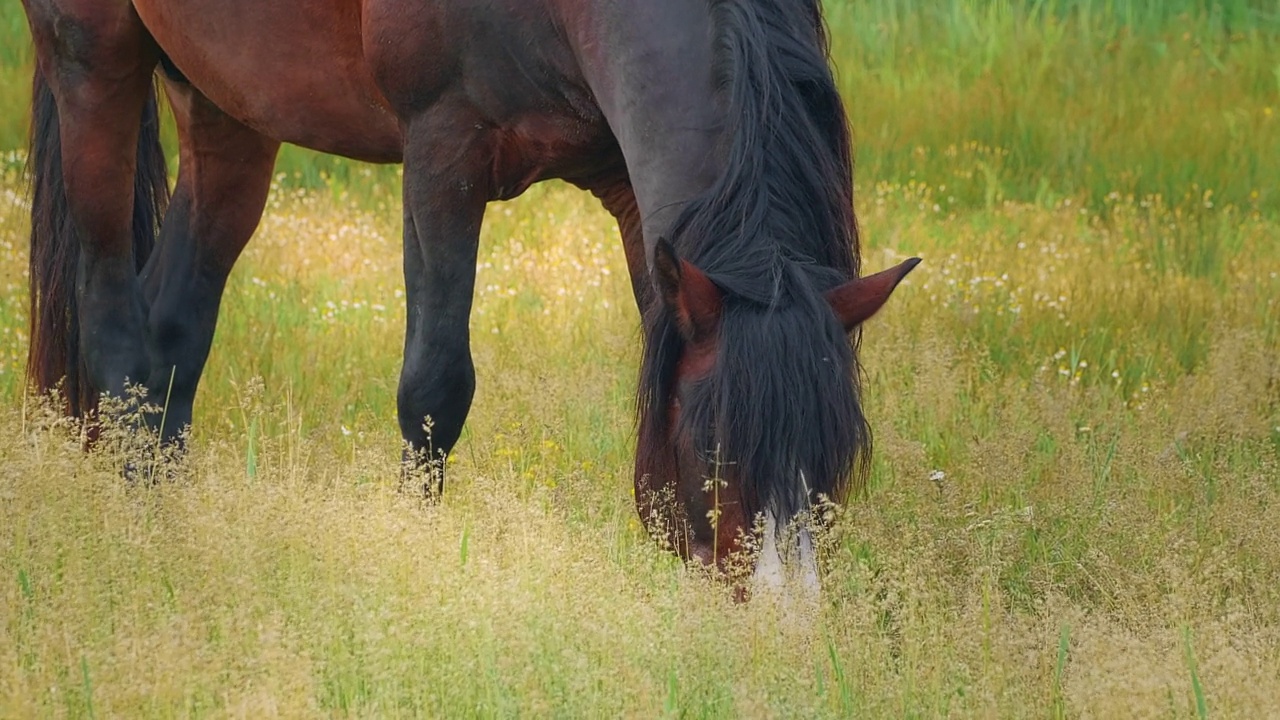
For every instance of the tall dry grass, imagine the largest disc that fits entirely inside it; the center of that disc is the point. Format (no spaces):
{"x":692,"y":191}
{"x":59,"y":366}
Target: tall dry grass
{"x":1078,"y":449}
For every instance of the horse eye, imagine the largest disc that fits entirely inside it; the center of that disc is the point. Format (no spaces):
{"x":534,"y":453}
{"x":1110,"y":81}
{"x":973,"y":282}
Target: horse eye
{"x":709,"y":457}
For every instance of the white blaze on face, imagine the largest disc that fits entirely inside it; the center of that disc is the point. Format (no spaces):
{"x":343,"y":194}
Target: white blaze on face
{"x":769,"y":571}
{"x":773,"y":572}
{"x":808,"y":562}
{"x":772,"y":566}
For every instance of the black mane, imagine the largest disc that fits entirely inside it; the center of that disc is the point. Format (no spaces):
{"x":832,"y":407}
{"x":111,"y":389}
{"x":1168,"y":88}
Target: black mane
{"x":774,"y":232}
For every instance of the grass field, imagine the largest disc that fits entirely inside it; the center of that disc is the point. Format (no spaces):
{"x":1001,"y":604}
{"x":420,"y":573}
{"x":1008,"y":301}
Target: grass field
{"x":1076,"y":401}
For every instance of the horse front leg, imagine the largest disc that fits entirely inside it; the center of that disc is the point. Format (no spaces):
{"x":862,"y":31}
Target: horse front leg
{"x":445,"y":192}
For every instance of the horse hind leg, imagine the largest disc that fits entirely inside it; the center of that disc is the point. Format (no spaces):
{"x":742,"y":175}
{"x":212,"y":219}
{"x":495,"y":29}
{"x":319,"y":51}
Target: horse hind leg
{"x":224,"y":177}
{"x":91,"y":224}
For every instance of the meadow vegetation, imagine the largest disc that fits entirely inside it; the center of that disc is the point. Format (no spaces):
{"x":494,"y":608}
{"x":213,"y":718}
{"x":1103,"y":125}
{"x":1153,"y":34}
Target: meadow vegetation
{"x":1076,"y":402}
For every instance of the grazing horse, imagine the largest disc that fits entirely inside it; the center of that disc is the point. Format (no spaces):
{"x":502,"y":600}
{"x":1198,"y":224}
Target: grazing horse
{"x":711,"y":129}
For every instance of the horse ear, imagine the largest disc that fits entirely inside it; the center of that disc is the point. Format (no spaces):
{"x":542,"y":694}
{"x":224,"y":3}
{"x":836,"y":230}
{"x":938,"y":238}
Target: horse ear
{"x":860,"y":298}
{"x":687,"y":292}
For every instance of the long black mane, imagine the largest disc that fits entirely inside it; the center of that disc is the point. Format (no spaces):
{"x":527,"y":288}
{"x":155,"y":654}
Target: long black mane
{"x":774,"y":232}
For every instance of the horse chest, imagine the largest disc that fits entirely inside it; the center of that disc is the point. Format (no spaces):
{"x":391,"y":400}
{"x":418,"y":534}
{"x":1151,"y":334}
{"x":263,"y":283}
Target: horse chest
{"x":541,"y":146}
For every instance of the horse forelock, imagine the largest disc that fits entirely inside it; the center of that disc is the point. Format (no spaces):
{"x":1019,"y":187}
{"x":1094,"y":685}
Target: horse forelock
{"x":781,"y":405}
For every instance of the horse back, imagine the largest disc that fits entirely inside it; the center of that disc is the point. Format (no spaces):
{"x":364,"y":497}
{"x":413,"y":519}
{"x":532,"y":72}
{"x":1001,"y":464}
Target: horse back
{"x":293,"y":70}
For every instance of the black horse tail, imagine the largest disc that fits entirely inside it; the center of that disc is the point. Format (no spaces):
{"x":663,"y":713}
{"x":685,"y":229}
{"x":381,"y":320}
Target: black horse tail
{"x":53,"y":356}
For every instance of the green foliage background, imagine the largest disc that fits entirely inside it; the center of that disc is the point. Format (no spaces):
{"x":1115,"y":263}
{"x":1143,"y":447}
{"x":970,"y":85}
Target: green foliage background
{"x":1087,"y":96}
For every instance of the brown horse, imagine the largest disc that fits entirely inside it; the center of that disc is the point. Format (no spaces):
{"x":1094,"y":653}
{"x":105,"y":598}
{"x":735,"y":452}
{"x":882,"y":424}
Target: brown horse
{"x":711,"y":129}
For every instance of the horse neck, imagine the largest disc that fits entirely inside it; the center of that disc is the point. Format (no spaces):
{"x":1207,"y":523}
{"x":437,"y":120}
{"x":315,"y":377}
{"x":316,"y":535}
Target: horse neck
{"x":651,"y":68}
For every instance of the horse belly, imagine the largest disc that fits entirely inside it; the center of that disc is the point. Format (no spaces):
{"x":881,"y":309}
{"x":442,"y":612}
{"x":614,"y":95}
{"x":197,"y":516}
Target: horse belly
{"x":292,"y":70}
